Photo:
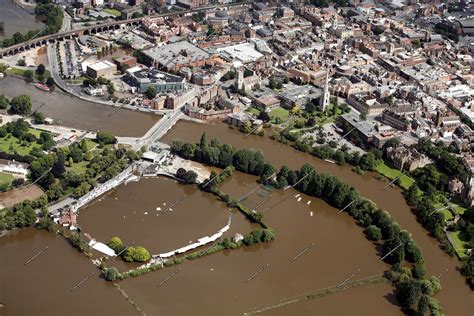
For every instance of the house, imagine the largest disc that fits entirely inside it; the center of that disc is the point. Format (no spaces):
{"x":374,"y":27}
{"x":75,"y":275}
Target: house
{"x":407,"y":158}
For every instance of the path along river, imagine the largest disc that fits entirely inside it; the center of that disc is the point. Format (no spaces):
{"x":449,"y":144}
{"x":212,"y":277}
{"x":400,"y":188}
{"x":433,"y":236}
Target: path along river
{"x":455,"y":296}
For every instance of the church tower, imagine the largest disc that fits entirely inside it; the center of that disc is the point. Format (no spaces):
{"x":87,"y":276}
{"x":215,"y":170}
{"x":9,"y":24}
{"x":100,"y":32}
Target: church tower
{"x":326,"y":95}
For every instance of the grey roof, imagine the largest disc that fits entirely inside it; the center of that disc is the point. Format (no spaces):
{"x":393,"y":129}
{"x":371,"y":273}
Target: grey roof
{"x":177,"y":53}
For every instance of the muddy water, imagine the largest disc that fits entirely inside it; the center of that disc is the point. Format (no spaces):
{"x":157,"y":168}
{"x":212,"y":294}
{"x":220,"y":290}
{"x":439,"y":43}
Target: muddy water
{"x":76,"y":113}
{"x":17,"y":19}
{"x":215,"y":285}
{"x":135,"y":205}
{"x":43,"y":286}
{"x":373,"y":301}
{"x":455,"y":296}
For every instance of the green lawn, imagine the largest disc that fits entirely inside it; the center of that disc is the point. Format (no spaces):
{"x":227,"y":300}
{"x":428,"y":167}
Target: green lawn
{"x":11,"y":144}
{"x":254,"y":111}
{"x":114,"y":12}
{"x":78,"y":168}
{"x":459,"y":245}
{"x":447,"y":214}
{"x":392,"y":173}
{"x":279,"y":112}
{"x":5,"y":178}
{"x":90,"y":144}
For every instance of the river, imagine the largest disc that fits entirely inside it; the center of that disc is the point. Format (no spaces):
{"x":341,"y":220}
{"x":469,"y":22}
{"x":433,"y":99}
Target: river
{"x":215,"y":285}
{"x":196,"y":214}
{"x":17,"y":19}
{"x":73,"y":112}
{"x":456,"y":298}
{"x":43,"y":286}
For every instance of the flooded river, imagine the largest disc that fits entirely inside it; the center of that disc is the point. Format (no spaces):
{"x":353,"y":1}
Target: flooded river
{"x":216,"y":284}
{"x":17,"y":19}
{"x":455,"y":296}
{"x":43,"y":286}
{"x":144,"y":206}
{"x":76,"y":113}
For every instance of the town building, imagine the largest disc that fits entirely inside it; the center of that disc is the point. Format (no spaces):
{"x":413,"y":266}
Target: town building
{"x":101,"y":69}
{"x":143,"y":79}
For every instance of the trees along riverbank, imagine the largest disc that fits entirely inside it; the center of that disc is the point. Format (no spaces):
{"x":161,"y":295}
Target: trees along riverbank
{"x":414,"y":291}
{"x":425,"y":189}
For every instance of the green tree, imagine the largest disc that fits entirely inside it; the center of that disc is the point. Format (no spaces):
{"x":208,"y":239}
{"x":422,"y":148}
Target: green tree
{"x":21,"y":105}
{"x":3,"y":102}
{"x":374,"y":233}
{"x":28,"y":75}
{"x":111,"y":274}
{"x":105,"y":138}
{"x":116,"y":244}
{"x":38,"y":118}
{"x":151,"y":92}
{"x":41,"y":69}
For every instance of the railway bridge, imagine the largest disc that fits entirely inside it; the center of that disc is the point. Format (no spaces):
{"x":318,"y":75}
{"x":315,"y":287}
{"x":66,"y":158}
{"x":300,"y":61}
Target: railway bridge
{"x":98,"y":28}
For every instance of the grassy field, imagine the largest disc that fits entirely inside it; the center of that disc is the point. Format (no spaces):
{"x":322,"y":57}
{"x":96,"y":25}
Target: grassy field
{"x":254,"y":111}
{"x":279,"y":112}
{"x":459,"y":245}
{"x":114,"y":12}
{"x":5,"y":178}
{"x":11,"y":144}
{"x":90,"y":144}
{"x":20,"y":72}
{"x":392,"y":173}
{"x":79,"y":168}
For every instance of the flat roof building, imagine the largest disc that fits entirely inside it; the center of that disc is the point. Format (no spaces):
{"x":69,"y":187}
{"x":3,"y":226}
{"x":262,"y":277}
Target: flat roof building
{"x":161,"y":81}
{"x":101,"y":69}
{"x":177,"y":55}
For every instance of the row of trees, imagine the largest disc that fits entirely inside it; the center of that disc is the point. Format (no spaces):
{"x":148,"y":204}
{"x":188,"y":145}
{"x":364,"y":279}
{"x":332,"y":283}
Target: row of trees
{"x":223,"y":155}
{"x":397,"y":245}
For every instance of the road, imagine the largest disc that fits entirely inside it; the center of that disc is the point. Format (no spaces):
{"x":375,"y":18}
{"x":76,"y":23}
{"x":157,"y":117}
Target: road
{"x":155,"y":133}
{"x":66,"y":26}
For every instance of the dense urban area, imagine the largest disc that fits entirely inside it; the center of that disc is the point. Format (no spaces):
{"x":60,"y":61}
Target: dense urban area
{"x":236,"y":157}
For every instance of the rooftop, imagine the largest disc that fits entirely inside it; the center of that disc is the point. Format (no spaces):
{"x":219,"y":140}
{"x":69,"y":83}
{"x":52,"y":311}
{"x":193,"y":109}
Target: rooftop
{"x":177,"y":53}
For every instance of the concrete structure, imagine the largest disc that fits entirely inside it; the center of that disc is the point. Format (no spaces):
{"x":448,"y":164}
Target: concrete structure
{"x":177,"y":55}
{"x":161,"y":81}
{"x":101,"y":69}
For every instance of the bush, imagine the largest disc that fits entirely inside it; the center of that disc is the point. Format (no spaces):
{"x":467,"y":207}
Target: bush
{"x":374,"y":233}
{"x":111,"y":274}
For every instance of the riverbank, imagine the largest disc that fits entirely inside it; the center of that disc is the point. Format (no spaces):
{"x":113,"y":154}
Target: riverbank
{"x":390,"y":199}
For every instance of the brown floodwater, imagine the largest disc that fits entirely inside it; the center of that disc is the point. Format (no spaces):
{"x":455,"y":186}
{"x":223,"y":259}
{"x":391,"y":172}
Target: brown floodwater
{"x":456,"y":298}
{"x":73,"y":112}
{"x":135,"y":205}
{"x":372,"y":301}
{"x":216,"y":284}
{"x":43,"y":286}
